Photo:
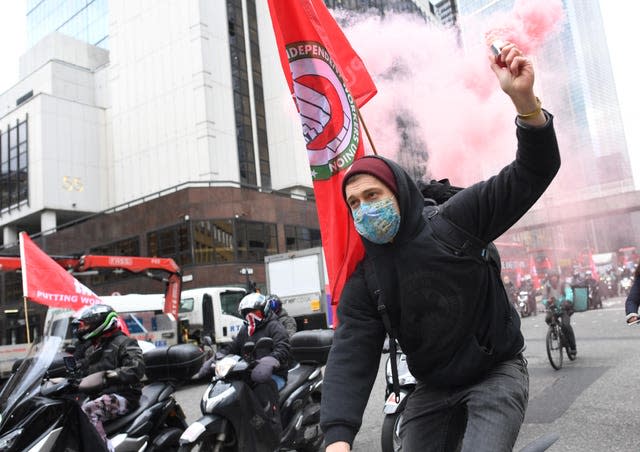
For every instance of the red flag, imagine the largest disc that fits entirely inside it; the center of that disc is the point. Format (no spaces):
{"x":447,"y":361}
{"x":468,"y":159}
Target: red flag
{"x":592,"y":267}
{"x":534,"y":272}
{"x":45,"y":281}
{"x":328,"y":82}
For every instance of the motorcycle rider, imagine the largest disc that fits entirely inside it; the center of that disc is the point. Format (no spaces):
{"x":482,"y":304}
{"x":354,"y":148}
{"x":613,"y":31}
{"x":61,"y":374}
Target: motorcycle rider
{"x":104,"y":347}
{"x":270,"y":374}
{"x":558,"y":298}
{"x":527,"y":286}
{"x":511,"y":290}
{"x":595,"y":299}
{"x":289,"y":323}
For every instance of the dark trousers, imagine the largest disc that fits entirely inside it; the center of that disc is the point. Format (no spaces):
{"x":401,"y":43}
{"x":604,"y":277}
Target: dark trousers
{"x":483,"y":417}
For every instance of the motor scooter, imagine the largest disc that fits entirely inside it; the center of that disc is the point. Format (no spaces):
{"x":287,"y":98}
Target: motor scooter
{"x":231,"y":419}
{"x":523,"y":303}
{"x":39,"y":413}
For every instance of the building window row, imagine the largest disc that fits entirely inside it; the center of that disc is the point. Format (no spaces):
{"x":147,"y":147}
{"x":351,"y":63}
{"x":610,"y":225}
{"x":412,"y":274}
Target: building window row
{"x":14,"y":168}
{"x":241,"y":94}
{"x":300,"y":237}
{"x":213,"y":241}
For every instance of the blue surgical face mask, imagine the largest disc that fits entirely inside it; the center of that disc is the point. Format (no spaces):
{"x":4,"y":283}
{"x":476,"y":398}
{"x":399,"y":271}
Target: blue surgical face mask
{"x":377,"y":221}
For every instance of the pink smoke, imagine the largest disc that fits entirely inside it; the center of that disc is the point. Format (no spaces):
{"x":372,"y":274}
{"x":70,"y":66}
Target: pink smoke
{"x":463,"y":117}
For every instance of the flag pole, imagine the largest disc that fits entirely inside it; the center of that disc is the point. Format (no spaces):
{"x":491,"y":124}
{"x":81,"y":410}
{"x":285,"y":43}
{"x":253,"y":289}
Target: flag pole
{"x":366,"y":131}
{"x":26,"y":320}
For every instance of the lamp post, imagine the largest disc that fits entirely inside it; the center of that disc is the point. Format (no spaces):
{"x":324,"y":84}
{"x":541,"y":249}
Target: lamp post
{"x":246,"y":271}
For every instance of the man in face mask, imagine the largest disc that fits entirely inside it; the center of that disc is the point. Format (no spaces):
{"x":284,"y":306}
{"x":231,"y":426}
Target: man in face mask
{"x":429,"y":277}
{"x":371,"y":196}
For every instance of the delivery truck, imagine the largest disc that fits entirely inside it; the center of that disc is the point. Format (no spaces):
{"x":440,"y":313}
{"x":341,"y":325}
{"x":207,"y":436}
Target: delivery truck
{"x":299,"y":278}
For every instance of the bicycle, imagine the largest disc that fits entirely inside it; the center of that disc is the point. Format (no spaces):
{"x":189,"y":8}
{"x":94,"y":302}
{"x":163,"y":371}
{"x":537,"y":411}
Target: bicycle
{"x":556,"y":341}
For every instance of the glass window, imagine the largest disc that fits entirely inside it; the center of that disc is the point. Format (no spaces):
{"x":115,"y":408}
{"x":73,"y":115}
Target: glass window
{"x":186,"y":305}
{"x":173,"y":242}
{"x":213,"y":241}
{"x":14,"y":165}
{"x":230,"y":300}
{"x":300,"y":237}
{"x":255,"y":240}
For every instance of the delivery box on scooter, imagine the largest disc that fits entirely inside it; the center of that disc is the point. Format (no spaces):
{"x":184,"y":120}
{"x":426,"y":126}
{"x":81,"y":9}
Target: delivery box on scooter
{"x":311,"y":346}
{"x":176,"y":362}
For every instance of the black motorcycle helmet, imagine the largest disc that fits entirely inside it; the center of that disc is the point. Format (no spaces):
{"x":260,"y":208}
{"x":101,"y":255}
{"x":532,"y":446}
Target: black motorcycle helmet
{"x":94,"y":321}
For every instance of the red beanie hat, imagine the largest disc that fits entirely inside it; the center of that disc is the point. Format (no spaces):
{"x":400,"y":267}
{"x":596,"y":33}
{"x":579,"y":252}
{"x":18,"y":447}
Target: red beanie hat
{"x":375,"y":167}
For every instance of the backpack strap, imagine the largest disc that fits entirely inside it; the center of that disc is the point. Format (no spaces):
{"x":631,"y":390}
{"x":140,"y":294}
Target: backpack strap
{"x":386,"y":321}
{"x":460,"y":241}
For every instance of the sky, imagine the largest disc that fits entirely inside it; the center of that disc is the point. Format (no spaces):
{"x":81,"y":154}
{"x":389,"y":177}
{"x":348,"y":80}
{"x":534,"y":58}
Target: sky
{"x":13,"y":40}
{"x":620,"y":20}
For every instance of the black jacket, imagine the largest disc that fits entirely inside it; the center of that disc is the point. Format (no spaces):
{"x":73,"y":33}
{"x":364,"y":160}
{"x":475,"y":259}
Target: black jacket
{"x":270,"y":327}
{"x":288,"y":322}
{"x":453,"y":318}
{"x":115,"y":352}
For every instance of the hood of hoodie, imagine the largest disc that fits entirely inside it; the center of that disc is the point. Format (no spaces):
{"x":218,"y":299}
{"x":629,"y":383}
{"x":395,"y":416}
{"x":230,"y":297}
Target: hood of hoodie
{"x":410,"y":201}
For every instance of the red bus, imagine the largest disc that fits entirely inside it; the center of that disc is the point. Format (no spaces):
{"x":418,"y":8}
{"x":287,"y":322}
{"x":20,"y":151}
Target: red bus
{"x":514,"y":259}
{"x":552,"y":259}
{"x":627,"y":256}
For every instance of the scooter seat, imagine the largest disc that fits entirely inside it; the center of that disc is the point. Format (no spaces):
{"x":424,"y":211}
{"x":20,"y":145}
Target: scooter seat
{"x":295,"y":378}
{"x":150,"y":395}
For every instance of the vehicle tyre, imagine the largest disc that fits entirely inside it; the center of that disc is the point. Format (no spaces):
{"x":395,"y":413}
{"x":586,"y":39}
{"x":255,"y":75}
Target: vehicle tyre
{"x":554,"y":347}
{"x":389,"y":437}
{"x":167,"y":439}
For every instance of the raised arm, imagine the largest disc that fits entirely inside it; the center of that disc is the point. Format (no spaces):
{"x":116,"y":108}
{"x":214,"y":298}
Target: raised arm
{"x":489,"y":208}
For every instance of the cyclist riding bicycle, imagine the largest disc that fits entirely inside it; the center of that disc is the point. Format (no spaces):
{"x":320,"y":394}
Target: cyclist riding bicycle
{"x":558,"y":299}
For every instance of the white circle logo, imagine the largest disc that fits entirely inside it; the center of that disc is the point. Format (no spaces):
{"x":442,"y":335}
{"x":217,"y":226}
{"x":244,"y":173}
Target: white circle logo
{"x":327,"y":110}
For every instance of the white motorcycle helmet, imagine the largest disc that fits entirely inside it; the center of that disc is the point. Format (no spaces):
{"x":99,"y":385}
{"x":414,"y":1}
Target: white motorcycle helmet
{"x":251,"y":302}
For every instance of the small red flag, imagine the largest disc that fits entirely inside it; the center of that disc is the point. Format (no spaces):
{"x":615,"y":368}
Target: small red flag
{"x":329,"y":83}
{"x":46,"y":282}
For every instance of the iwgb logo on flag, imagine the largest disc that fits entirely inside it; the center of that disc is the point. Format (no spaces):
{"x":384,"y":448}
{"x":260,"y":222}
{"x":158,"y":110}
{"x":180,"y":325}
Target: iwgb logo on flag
{"x":328,"y":83}
{"x":327,"y":110}
{"x":46,"y":282}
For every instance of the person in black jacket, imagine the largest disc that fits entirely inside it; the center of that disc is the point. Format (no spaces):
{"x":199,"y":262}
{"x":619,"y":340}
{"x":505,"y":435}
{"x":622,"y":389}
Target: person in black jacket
{"x":103,"y":347}
{"x":429,"y":273}
{"x":270,"y":373}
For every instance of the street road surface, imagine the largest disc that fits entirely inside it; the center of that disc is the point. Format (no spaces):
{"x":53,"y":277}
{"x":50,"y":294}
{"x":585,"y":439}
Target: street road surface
{"x":592,"y":403}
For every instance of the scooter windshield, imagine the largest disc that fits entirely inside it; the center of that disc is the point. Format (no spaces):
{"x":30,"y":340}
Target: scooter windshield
{"x":25,"y":382}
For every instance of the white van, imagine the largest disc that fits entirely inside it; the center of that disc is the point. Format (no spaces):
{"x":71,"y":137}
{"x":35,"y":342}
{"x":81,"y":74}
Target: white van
{"x":218,"y":318}
{"x":143,"y":315}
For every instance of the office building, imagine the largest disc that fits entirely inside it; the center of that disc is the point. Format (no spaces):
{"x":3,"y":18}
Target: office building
{"x":172,"y":135}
